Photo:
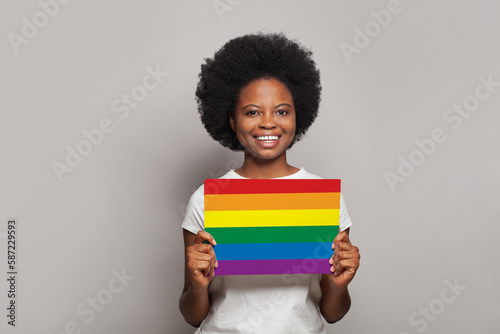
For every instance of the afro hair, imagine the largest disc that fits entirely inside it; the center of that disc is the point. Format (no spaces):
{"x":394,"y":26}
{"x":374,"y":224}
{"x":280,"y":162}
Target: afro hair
{"x":248,"y":58}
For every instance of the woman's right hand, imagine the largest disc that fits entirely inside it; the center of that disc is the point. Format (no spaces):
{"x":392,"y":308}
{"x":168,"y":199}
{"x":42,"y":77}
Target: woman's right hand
{"x":201,"y":260}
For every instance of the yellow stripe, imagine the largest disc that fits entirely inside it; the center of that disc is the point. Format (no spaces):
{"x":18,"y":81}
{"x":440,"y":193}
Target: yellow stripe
{"x":278,"y":201}
{"x":255,"y":218}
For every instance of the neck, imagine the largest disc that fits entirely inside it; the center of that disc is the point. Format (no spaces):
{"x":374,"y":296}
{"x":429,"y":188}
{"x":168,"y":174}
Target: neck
{"x":255,"y":168}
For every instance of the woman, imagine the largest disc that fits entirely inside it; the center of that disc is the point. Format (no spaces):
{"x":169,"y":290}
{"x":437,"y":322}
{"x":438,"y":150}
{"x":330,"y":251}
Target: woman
{"x":259,"y":94}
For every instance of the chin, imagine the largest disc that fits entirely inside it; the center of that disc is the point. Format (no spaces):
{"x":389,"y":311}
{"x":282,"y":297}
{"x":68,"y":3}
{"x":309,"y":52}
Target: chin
{"x":268,"y":156}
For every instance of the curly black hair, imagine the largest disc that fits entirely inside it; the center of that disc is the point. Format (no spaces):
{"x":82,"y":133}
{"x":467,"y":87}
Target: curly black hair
{"x":248,"y":58}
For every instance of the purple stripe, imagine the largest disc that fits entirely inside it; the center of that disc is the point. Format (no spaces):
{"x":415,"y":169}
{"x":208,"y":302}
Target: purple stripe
{"x":273,"y":267}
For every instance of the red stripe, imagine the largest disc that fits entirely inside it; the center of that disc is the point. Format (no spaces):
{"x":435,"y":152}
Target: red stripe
{"x":270,"y":186}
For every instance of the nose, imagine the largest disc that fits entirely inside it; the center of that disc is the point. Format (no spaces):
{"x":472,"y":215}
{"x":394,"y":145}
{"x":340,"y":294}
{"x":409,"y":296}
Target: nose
{"x":267,"y":121}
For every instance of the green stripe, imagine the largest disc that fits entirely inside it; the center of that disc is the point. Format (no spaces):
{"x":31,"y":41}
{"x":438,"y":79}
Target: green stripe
{"x":273,"y":234}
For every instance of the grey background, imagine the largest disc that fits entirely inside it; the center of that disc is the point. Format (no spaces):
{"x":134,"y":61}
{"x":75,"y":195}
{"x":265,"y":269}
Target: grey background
{"x":123,"y":205}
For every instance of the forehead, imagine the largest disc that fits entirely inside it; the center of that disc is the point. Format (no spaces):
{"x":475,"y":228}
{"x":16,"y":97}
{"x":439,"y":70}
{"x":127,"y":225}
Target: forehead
{"x":265,"y":90}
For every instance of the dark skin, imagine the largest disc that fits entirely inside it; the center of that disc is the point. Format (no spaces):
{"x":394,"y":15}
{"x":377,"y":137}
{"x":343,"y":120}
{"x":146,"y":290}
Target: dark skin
{"x":264,"y":122}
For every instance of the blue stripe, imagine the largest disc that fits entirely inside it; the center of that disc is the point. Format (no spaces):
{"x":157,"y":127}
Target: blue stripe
{"x":274,"y":251}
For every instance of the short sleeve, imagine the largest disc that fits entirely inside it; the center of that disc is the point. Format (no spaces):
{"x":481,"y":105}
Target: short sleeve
{"x":344,"y":219}
{"x":194,"y":219}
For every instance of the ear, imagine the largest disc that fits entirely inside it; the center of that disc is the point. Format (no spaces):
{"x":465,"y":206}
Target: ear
{"x":231,"y":122}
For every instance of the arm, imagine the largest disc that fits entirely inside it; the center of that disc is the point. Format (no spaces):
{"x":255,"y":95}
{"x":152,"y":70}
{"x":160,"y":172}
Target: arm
{"x":335,"y":300}
{"x":200,"y":262}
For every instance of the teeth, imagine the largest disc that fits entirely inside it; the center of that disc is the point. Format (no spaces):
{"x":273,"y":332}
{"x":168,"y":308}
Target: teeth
{"x":267,"y":138}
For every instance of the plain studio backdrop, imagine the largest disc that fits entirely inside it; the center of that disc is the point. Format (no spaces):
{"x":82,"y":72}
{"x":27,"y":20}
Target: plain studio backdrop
{"x":101,"y":147}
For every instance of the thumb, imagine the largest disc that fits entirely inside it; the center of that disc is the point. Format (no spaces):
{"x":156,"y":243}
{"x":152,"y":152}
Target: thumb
{"x":203,"y":236}
{"x":341,"y":237}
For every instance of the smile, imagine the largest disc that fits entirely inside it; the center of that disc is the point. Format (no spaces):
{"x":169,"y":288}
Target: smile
{"x":267,"y":138}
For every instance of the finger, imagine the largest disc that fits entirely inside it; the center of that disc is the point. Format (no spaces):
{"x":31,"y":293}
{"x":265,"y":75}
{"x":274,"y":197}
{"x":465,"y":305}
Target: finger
{"x":212,"y":266}
{"x":198,"y":264}
{"x":203,"y":236}
{"x":347,"y":260}
{"x":216,"y":263}
{"x":344,"y":246}
{"x":206,"y":267}
{"x":207,"y":254}
{"x":199,"y":253}
{"x":334,"y":261}
{"x":350,"y":252}
{"x":204,"y":259}
{"x":342,"y":236}
{"x":199,"y":268}
{"x":338,"y":267}
{"x":208,"y":249}
{"x":205,"y":263}
{"x":340,"y":246}
{"x":340,"y":256}
{"x":214,"y":257}
{"x":350,"y":265}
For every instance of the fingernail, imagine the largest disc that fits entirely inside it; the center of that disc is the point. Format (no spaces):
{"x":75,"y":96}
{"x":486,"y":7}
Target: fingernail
{"x":332,"y":269}
{"x":216,"y":264}
{"x":331,"y":261}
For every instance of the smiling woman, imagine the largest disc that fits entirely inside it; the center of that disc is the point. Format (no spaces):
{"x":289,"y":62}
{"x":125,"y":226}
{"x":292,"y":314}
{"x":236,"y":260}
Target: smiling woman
{"x":259,"y":94}
{"x":264,"y":123}
{"x":245,"y":59}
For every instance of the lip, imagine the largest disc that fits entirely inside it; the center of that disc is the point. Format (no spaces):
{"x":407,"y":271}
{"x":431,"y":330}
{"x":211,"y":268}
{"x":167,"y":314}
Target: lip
{"x":268,"y":144}
{"x":267,"y":134}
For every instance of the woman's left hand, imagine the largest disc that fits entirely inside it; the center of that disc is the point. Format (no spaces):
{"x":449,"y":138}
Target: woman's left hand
{"x":345,"y":260}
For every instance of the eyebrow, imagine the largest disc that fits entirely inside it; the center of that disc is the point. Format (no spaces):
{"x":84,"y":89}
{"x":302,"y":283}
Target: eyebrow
{"x":250,"y":105}
{"x":256,"y":106}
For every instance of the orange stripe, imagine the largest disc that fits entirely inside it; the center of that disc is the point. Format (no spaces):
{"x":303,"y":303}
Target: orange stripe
{"x":284,"y":201}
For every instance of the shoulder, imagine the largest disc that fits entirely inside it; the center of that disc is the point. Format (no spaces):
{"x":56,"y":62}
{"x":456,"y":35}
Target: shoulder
{"x":197,"y":197}
{"x":194,"y":215}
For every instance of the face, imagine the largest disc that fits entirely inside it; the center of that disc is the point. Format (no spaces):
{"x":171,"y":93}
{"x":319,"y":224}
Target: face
{"x":264,"y":118}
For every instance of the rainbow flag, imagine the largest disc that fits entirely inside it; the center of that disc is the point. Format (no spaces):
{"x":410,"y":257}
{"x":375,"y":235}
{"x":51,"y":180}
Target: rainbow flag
{"x":269,"y":226}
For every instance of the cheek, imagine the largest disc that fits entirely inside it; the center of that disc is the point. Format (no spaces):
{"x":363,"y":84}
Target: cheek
{"x":241,"y":133}
{"x":244,"y":127}
{"x":291,"y":129}
{"x":289,"y":126}
{"x":240,"y":137}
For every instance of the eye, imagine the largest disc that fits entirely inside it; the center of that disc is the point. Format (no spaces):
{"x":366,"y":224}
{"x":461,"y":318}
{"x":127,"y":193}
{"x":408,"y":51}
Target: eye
{"x":252,"y":112}
{"x":282,"y":112}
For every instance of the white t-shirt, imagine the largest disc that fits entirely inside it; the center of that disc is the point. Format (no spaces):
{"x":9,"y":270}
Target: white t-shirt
{"x":261,"y":303}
